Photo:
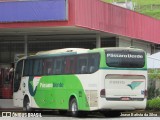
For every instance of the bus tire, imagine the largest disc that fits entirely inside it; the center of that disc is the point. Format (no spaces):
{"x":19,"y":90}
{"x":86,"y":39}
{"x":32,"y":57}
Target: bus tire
{"x":62,"y":112}
{"x":73,"y":108}
{"x":26,"y":106}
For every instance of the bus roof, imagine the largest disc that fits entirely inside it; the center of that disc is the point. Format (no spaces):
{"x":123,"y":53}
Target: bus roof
{"x":125,"y":48}
{"x":64,"y":50}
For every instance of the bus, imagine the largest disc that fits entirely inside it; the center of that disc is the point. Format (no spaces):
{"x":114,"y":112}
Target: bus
{"x":108,"y":80}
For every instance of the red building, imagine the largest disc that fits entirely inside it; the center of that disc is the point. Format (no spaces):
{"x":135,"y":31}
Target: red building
{"x":53,"y":24}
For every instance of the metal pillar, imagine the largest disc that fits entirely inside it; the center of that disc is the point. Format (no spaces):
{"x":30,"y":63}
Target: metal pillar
{"x":98,"y":41}
{"x":26,"y":45}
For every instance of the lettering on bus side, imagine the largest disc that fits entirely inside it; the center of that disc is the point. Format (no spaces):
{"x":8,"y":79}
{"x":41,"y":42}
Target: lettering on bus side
{"x":51,"y":85}
{"x":58,"y":84}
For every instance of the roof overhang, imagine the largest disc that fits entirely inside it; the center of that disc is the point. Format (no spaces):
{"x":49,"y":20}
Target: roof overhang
{"x":58,"y":32}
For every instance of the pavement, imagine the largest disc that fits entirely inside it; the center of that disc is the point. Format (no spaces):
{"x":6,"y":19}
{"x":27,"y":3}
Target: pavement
{"x":7,"y":104}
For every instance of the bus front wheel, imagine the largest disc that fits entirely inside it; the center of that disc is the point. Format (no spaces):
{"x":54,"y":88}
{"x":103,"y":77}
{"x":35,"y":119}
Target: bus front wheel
{"x":26,"y":103}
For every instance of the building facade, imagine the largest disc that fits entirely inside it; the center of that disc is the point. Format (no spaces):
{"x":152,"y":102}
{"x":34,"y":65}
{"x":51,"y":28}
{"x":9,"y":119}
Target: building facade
{"x":29,"y":26}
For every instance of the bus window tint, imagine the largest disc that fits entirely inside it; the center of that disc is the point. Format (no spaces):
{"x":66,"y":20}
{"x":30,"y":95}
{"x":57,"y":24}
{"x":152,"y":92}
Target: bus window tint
{"x":26,"y":68}
{"x":58,"y":65}
{"x":48,"y":66}
{"x":82,"y":64}
{"x":67,"y":65}
{"x":18,"y":75}
{"x":125,"y":58}
{"x":30,"y":67}
{"x":70,"y":65}
{"x":37,"y":67}
{"x":93,"y":63}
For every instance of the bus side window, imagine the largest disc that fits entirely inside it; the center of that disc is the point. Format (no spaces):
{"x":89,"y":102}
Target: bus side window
{"x":59,"y":65}
{"x":26,"y":68}
{"x":30,"y":67}
{"x":93,"y":63}
{"x":82,"y":67}
{"x":70,"y":65}
{"x":67,"y":65}
{"x":18,"y":75}
{"x":73,"y":65}
{"x":48,"y":66}
{"x":37,"y":67}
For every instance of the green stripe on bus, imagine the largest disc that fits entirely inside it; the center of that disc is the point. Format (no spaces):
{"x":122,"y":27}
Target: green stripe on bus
{"x":142,"y":69}
{"x":55,"y":91}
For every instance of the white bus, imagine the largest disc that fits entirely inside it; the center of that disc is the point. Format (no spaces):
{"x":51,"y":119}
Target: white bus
{"x":109,"y":80}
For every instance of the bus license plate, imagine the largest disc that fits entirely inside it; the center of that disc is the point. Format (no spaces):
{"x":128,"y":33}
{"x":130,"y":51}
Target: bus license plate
{"x":125,"y":98}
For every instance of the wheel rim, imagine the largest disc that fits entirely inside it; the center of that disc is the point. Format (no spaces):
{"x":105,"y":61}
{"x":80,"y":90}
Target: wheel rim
{"x":74,"y":107}
{"x":27,"y":106}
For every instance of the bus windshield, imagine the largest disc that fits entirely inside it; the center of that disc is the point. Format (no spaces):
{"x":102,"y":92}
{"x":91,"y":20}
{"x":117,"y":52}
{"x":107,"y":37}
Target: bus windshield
{"x":125,"y":58}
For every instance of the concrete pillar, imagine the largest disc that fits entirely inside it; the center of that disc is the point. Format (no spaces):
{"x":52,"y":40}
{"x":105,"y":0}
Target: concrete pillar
{"x":26,"y":45}
{"x":132,"y":42}
{"x":98,"y":41}
{"x":124,"y":42}
{"x":117,"y":42}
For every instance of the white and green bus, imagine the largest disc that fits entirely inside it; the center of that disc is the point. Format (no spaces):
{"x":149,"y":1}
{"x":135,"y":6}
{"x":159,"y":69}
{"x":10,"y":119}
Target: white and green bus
{"x":109,"y":80}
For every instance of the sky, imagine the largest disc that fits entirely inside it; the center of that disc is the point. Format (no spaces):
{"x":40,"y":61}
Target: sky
{"x":153,"y":61}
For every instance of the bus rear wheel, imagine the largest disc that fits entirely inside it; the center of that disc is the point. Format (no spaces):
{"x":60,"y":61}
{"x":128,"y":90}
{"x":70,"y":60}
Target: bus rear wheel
{"x":73,"y":108}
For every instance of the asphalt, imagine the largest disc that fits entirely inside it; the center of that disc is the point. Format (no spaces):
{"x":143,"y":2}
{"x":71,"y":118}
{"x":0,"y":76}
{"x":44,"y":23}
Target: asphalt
{"x":7,"y":104}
